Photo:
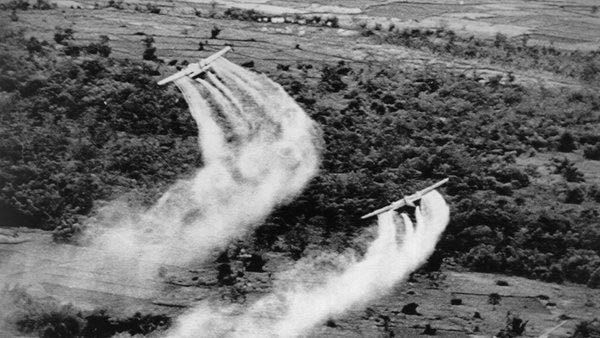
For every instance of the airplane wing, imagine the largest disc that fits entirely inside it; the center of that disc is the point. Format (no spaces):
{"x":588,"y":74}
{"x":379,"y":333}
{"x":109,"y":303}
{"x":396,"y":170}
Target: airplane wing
{"x":406,"y":200}
{"x":195,"y":69}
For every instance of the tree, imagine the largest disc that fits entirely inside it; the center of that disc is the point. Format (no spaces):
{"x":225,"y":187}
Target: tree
{"x":34,"y":46}
{"x":592,"y":152}
{"x":594,"y":281}
{"x":13,"y":15}
{"x":566,"y":142}
{"x":214,"y":32}
{"x":494,"y":299}
{"x":62,"y":35}
{"x":568,"y":170}
{"x":575,"y":195}
{"x":150,"y":51}
{"x":152,"y":8}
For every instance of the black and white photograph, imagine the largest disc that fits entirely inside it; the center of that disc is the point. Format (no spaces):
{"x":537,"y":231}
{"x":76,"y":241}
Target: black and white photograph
{"x":299,"y":168}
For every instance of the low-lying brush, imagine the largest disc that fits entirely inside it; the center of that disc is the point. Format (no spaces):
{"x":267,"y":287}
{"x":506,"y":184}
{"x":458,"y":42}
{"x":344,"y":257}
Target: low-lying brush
{"x":46,"y":318}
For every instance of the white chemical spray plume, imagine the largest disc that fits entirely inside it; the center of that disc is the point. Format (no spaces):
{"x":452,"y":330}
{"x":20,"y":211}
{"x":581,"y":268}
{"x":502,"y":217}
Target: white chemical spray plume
{"x":259,"y":150}
{"x":292,"y":310}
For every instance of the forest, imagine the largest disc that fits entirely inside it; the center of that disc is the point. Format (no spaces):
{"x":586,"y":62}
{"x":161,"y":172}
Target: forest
{"x":80,"y":128}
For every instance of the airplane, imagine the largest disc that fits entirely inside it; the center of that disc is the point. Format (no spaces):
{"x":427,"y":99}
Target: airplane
{"x":195,"y":69}
{"x":406,"y":200}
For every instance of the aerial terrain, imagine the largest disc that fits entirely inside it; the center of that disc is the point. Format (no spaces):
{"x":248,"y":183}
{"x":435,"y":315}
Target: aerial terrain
{"x":501,"y":97}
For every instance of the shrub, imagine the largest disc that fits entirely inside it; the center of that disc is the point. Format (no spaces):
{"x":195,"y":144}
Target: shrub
{"x":494,"y":299}
{"x":514,"y":327}
{"x":483,"y":258}
{"x":214,"y":32}
{"x":594,"y":193}
{"x":568,"y":170}
{"x":61,"y":35}
{"x":47,"y":318}
{"x":43,"y":5}
{"x":148,"y":40}
{"x":101,"y":48}
{"x":255,"y":263}
{"x":590,"y":71}
{"x":578,"y":265}
{"x":455,"y":301}
{"x":242,"y":14}
{"x":34,"y":46}
{"x":331,"y":79}
{"x":22,"y":5}
{"x":115,"y":4}
{"x":152,"y":8}
{"x":150,"y":51}
{"x":212,"y":13}
{"x":587,"y":329}
{"x":575,"y":195}
{"x":72,"y":50}
{"x":410,"y":309}
{"x":566,"y":142}
{"x":594,"y":281}
{"x":332,"y":22}
{"x":592,"y":152}
{"x":225,"y":274}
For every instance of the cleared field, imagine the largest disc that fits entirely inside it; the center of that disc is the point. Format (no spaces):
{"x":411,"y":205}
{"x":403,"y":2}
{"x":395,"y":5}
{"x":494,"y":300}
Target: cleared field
{"x":177,"y":37}
{"x":544,"y":305}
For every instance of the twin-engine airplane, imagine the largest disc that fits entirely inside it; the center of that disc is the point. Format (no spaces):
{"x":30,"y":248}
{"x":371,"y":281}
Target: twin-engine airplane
{"x":195,"y":69}
{"x":406,"y":200}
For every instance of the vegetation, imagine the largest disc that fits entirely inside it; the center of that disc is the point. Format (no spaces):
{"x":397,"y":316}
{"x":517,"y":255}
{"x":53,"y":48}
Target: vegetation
{"x":23,"y":5}
{"x":152,"y":8}
{"x":241,"y":14}
{"x":81,"y":129}
{"x":587,"y":329}
{"x":515,"y":326}
{"x":214,"y":32}
{"x":64,"y":115}
{"x":501,"y":50}
{"x":46,"y":318}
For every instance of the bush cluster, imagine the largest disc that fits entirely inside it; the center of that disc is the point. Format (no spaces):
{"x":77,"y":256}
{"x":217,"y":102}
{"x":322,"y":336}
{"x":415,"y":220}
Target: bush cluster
{"x":253,"y":15}
{"x":46,"y":318}
{"x":24,"y":5}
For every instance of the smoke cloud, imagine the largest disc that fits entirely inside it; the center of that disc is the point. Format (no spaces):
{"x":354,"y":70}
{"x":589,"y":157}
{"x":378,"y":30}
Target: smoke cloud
{"x":294,"y":309}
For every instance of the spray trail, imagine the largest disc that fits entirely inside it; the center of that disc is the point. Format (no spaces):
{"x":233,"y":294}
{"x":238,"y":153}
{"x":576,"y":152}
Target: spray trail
{"x":292,"y":312}
{"x":259,"y":150}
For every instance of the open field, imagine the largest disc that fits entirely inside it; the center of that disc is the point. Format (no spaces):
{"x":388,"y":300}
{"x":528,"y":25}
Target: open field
{"x":544,"y":305}
{"x":177,"y":31}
